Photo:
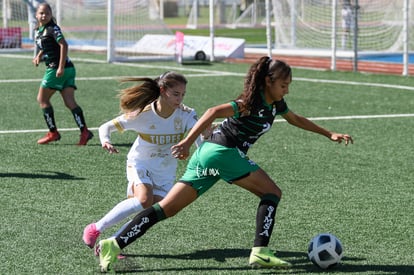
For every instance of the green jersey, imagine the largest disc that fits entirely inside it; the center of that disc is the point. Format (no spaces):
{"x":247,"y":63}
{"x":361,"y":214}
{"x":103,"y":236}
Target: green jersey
{"x":47,"y":38}
{"x":243,"y":131}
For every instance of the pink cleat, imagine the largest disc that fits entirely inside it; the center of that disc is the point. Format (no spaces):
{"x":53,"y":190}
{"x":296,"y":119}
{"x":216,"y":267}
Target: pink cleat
{"x":90,"y":235}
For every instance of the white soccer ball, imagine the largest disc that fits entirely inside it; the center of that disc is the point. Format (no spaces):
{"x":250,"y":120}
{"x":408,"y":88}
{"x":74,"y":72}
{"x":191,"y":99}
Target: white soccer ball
{"x":325,"y":251}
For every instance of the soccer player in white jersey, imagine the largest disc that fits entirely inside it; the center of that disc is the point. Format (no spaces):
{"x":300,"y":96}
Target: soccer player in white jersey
{"x":153,"y":109}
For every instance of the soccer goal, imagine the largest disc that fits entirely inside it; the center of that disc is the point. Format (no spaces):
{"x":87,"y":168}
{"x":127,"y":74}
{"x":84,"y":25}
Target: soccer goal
{"x":309,"y":24}
{"x":337,"y":28}
{"x":111,"y":26}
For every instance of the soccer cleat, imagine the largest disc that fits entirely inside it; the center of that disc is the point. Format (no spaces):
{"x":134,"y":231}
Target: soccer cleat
{"x":85,"y":136}
{"x":98,"y":251}
{"x":90,"y":234}
{"x":264,"y":257}
{"x":49,"y":137}
{"x":108,"y":254}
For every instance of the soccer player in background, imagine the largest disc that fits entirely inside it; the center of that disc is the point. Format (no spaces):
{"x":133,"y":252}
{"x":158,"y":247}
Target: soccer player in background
{"x":155,"y":111}
{"x":346,"y":14}
{"x":31,"y":15}
{"x":224,"y":156}
{"x":59,"y":76}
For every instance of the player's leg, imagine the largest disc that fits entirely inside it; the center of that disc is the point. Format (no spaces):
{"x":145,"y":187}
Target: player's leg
{"x":68,"y":96}
{"x":159,"y":192}
{"x":43,"y":98}
{"x":260,"y":184}
{"x":179,"y":197}
{"x":183,"y":193}
{"x":139,"y":196}
{"x":236,"y":168}
{"x":122,"y":210}
{"x":162,"y":184}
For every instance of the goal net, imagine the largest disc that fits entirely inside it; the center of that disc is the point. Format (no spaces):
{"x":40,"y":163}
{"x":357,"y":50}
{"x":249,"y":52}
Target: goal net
{"x":312,"y":24}
{"x":309,"y":24}
{"x":111,"y":26}
{"x":116,"y":26}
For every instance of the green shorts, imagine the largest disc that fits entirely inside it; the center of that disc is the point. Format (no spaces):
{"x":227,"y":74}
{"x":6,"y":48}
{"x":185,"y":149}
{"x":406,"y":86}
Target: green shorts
{"x":59,"y":83}
{"x":212,"y":162}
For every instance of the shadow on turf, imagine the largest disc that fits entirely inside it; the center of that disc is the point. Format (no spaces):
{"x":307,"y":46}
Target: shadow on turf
{"x":299,"y":260}
{"x":47,"y":175}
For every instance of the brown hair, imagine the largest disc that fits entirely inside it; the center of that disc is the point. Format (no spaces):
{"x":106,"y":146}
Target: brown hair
{"x":255,"y":82}
{"x":135,"y":98}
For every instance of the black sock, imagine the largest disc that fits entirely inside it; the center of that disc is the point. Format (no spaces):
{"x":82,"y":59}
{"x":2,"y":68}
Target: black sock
{"x":265,"y":219}
{"x":79,"y":118}
{"x":140,"y":224}
{"x":49,"y":117}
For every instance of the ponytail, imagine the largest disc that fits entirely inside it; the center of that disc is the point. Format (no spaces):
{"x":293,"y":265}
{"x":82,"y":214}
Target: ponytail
{"x":135,"y":98}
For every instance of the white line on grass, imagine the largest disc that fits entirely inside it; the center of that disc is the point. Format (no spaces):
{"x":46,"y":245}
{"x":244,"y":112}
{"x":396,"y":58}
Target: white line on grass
{"x":356,"y":117}
{"x":203,"y":73}
{"x":277,"y":120}
{"x":41,"y":130}
{"x":354,"y":83}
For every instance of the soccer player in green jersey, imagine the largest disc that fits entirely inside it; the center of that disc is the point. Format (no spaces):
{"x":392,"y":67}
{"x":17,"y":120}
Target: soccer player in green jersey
{"x":59,"y":76}
{"x":224,"y":156}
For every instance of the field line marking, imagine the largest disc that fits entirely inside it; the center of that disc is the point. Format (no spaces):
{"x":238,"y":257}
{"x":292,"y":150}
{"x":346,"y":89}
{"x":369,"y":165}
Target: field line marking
{"x":354,"y":83}
{"x":355,"y":117}
{"x":207,"y":73}
{"x":203,"y":72}
{"x":276,"y":120}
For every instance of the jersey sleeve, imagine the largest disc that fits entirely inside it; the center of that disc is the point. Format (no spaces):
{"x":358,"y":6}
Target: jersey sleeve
{"x":57,"y":33}
{"x":106,"y":129}
{"x":192,"y":120}
{"x":235,"y":109}
{"x":281,"y":107}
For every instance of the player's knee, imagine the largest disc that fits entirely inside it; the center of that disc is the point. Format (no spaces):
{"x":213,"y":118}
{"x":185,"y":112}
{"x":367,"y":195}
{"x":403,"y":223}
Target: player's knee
{"x":145,"y":201}
{"x":270,"y":189}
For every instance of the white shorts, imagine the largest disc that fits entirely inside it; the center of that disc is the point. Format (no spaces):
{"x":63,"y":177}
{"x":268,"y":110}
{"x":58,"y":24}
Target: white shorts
{"x":161,"y":183}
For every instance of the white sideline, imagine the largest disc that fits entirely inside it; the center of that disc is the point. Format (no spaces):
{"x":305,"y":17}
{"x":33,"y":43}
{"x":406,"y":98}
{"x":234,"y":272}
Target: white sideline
{"x":276,"y":120}
{"x":204,"y":73}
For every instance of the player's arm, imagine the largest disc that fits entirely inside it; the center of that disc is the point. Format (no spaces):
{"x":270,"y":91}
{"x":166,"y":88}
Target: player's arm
{"x":304,"y":123}
{"x":63,"y":55}
{"x":105,"y":131}
{"x":36,"y":60}
{"x":182,"y":149}
{"x":205,"y":134}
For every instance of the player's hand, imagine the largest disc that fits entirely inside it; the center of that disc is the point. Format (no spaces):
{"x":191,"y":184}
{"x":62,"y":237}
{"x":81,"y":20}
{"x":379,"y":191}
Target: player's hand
{"x":110,"y":148}
{"x":209,"y":131}
{"x":36,"y":61}
{"x":60,"y":72}
{"x":342,"y":137}
{"x":180,"y":151}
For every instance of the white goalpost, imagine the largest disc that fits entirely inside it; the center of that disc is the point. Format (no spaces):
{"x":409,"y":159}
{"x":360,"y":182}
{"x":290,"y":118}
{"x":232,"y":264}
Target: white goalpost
{"x":296,"y":26}
{"x":342,"y":28}
{"x":130,"y":21}
{"x":95,"y":25}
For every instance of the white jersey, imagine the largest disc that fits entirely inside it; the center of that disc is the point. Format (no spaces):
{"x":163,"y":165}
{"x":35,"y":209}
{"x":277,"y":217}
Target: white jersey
{"x":156,"y":135}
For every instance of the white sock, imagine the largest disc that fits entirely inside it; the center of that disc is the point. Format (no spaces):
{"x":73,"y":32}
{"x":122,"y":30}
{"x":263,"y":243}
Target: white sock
{"x":121,"y":211}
